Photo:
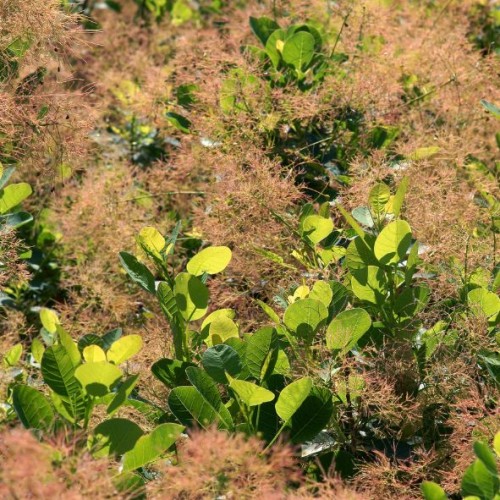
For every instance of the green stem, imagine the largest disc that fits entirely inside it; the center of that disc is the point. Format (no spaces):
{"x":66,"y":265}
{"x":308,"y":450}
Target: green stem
{"x":282,"y":428}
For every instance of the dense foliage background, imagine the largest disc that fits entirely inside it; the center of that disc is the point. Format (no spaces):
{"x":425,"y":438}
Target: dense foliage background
{"x":249,"y":248}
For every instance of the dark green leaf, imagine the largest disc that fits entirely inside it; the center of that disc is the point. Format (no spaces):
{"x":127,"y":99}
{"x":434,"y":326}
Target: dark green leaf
{"x":32,"y":408}
{"x":138,"y":272}
{"x":221,"y":359}
{"x":262,"y":27}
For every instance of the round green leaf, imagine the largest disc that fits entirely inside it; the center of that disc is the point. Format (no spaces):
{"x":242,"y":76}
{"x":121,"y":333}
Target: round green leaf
{"x":262,"y":27}
{"x":393,"y":242}
{"x":323,"y":292}
{"x":191,"y":296}
{"x":305,"y":316}
{"x":292,"y":397}
{"x":221,"y":359}
{"x":369,"y":283}
{"x":114,"y":436}
{"x":317,"y":228}
{"x":312,"y":416}
{"x":93,"y":354}
{"x":12,"y":195}
{"x":346,"y":329}
{"x":211,"y":260}
{"x":432,"y":491}
{"x":124,"y":348}
{"x":49,"y":319}
{"x":219,"y":326}
{"x":484,"y":302}
{"x":151,"y":446}
{"x":299,"y":50}
{"x":98,"y":378}
{"x":272,"y":46}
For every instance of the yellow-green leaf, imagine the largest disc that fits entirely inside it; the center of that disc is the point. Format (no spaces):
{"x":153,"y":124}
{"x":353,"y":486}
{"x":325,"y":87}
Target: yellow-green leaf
{"x":93,"y":353}
{"x":124,"y":348}
{"x":393,"y":242}
{"x":49,"y":319}
{"x":151,"y":241}
{"x":211,"y":260}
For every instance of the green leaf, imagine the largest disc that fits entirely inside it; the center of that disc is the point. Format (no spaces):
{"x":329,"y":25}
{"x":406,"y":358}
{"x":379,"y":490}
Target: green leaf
{"x":151,"y":446}
{"x":37,"y":350}
{"x":486,"y":456}
{"x":5,"y":175}
{"x":88,"y":340}
{"x":189,"y":405}
{"x":312,"y":416}
{"x":71,"y":347}
{"x":399,"y":197}
{"x":171,"y":372}
{"x":13,"y":195}
{"x":17,"y":219}
{"x":58,"y":371}
{"x":369,"y":283}
{"x":19,"y":47}
{"x":219,"y":326}
{"x":492,"y":108}
{"x":432,"y":491}
{"x":122,"y":394}
{"x":49,"y":319}
{"x":393,"y":242}
{"x":483,"y":302}
{"x":299,"y":50}
{"x":93,"y":353}
{"x":292,"y":397}
{"x":152,"y":242}
{"x":496,"y":444}
{"x":346,"y":329}
{"x":98,"y":378}
{"x":124,"y":348}
{"x":363,"y":216}
{"x":13,"y":355}
{"x":262,"y":27}
{"x":221,"y":359}
{"x":209,"y":392}
{"x":181,"y":12}
{"x":424,"y":153}
{"x":114,"y":436}
{"x":478,"y":481}
{"x":191,"y":296}
{"x":304,"y":317}
{"x":276,"y":39}
{"x":138,"y":272}
{"x":251,"y":394}
{"x":412,"y":301}
{"x":168,"y":303}
{"x":378,"y":198}
{"x":316,"y":228}
{"x":322,"y":291}
{"x":360,"y":254}
{"x":259,"y":357}
{"x":269,"y":311}
{"x":32,"y":408}
{"x":179,"y":122}
{"x":211,"y":260}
